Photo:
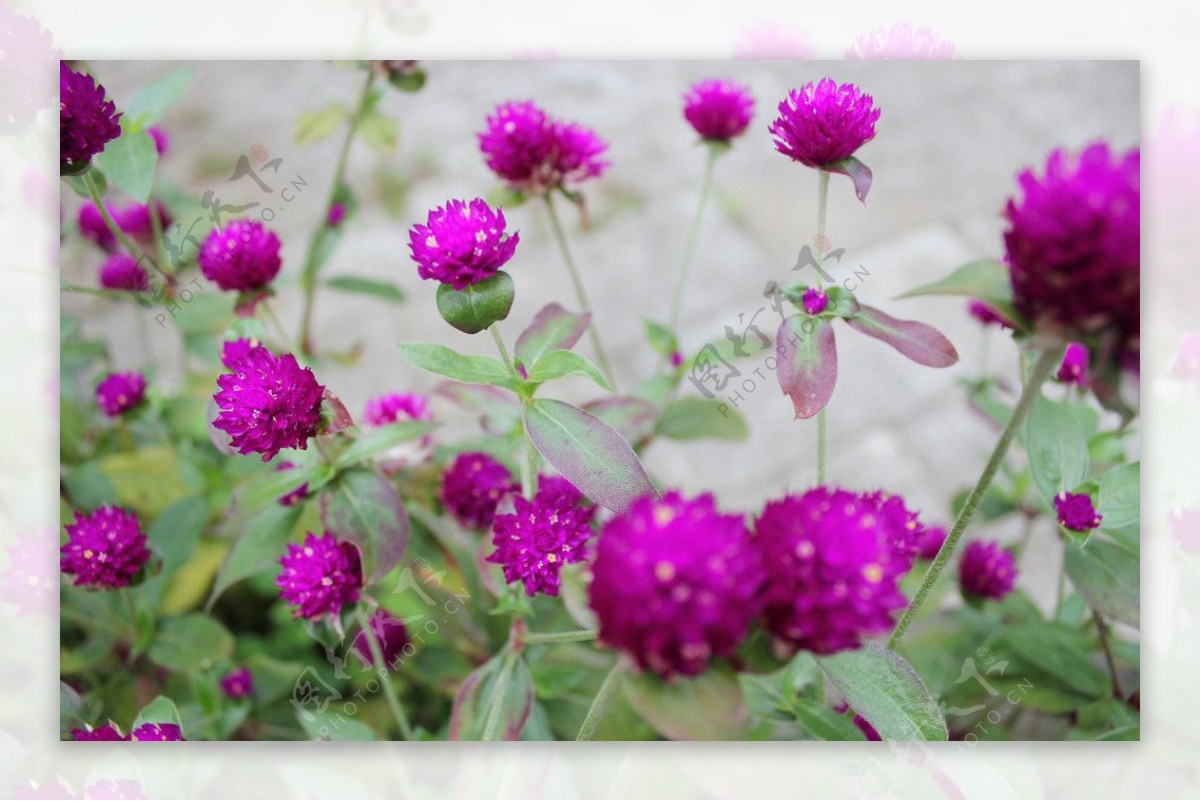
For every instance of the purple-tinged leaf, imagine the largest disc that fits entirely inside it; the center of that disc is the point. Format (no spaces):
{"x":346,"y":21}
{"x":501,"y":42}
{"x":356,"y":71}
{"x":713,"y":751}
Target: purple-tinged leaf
{"x":494,"y":701}
{"x":634,"y":418}
{"x":499,"y":409}
{"x":807,"y":370}
{"x":705,"y":707}
{"x":885,"y":689}
{"x":334,"y":414}
{"x":553,"y":328}
{"x":588,"y":452}
{"x":922,"y":343}
{"x":858,"y":172}
{"x":364,"y":508}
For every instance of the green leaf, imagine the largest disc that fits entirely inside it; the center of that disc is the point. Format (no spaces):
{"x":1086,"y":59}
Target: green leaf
{"x":315,"y":126}
{"x":1058,"y":454}
{"x":807,"y":370}
{"x":589,"y":453}
{"x":160,"y":710}
{"x":274,"y":485}
{"x":552,"y":328}
{"x":468,"y":369}
{"x":560,"y":363}
{"x":633,"y":418}
{"x":380,"y":440}
{"x":825,"y":723}
{"x":257,"y":550}
{"x":1061,"y":652}
{"x":1120,"y":497}
{"x":129,"y":162}
{"x":882,"y":687}
{"x":382,"y":133}
{"x":662,"y":340}
{"x":383,"y":290}
{"x":705,"y":707}
{"x":333,"y":726}
{"x":192,"y":642}
{"x":72,"y":710}
{"x":985,"y":280}
{"x":494,"y":701}
{"x":152,"y":100}
{"x":364,"y":508}
{"x":1108,"y":577}
{"x":147,"y":480}
{"x":474,"y":308}
{"x":173,"y":536}
{"x":701,"y":418}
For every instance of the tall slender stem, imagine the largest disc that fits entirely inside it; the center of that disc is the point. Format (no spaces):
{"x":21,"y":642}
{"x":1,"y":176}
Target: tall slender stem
{"x":1033,"y":389}
{"x":822,"y":208}
{"x":600,"y":704}
{"x":312,"y":265}
{"x":580,"y":292}
{"x":130,"y":247}
{"x":529,"y":462}
{"x":548,"y":637}
{"x":508,"y":363}
{"x":689,"y":251}
{"x":388,"y":690}
{"x":1102,"y":629}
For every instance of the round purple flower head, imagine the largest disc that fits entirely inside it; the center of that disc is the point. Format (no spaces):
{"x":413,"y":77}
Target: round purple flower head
{"x":319,"y":576}
{"x":1074,"y":367}
{"x":87,"y":121}
{"x":93,"y":227}
{"x":267,"y":403}
{"x":234,"y":351}
{"x":718,"y":109}
{"x":473,"y":486}
{"x":833,"y":570}
{"x":24,"y":86}
{"x":815,"y":301}
{"x":985,"y":570}
{"x":296,"y":495}
{"x":557,"y":488}
{"x":105,"y":549}
{"x":135,"y":220}
{"x":985,"y":314}
{"x":1076,"y":511}
{"x":1073,"y":243}
{"x":162,"y":140}
{"x":157,"y":732}
{"x":121,"y":271}
{"x":931,"y":542}
{"x":108,"y":733}
{"x":823,"y":123}
{"x":238,"y":683}
{"x":461,"y":243}
{"x":396,"y":407}
{"x":120,"y":392}
{"x":577,"y":154}
{"x":675,"y":583}
{"x":539,"y":537}
{"x":241,"y":257}
{"x":391,"y":634}
{"x":337,"y":213}
{"x":902,"y":526}
{"x":517,"y":141}
{"x":30,"y":582}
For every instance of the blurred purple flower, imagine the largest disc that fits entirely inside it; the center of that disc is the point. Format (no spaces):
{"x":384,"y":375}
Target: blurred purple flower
{"x":87,"y":121}
{"x":985,"y":570}
{"x":1076,"y":511}
{"x":30,"y":582}
{"x":1074,"y":367}
{"x":472,"y":486}
{"x":718,"y":110}
{"x":241,"y":257}
{"x":901,"y":42}
{"x":390,"y":632}
{"x":122,"y":272}
{"x":117,"y":393}
{"x":238,"y":683}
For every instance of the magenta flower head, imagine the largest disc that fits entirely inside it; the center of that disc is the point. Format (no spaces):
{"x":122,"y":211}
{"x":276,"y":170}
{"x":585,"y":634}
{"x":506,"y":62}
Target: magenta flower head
{"x":462,"y":243}
{"x":1074,"y":367}
{"x":120,"y":392}
{"x":135,"y":220}
{"x":157,"y":732}
{"x":93,"y":227}
{"x":121,"y":271}
{"x":985,"y":314}
{"x":902,"y":527}
{"x":234,"y":351}
{"x":473,"y":486}
{"x":558,"y":488}
{"x":985,"y":570}
{"x":931,"y":542}
{"x":392,"y":636}
{"x":815,"y":301}
{"x":108,"y":733}
{"x":105,"y":549}
{"x":823,"y":123}
{"x":398,"y":407}
{"x":539,"y":537}
{"x":517,"y":142}
{"x":337,"y":213}
{"x":162,"y":140}
{"x":718,"y":110}
{"x":267,"y":403}
{"x":87,"y":121}
{"x":238,"y":683}
{"x":577,"y":154}
{"x":675,"y":583}
{"x":1076,"y":511}
{"x":901,"y":42}
{"x":832,"y":571}
{"x":1073,"y":243}
{"x":241,"y":257}
{"x":319,"y":576}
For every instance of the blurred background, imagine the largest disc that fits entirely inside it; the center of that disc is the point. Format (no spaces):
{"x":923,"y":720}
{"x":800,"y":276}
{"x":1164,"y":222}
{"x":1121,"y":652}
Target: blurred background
{"x":950,"y":140}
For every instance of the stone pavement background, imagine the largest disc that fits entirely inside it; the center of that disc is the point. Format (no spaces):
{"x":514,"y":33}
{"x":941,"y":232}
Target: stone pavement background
{"x":951,"y":137}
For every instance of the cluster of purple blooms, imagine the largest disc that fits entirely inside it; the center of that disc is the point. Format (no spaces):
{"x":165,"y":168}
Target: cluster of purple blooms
{"x":533,"y":152}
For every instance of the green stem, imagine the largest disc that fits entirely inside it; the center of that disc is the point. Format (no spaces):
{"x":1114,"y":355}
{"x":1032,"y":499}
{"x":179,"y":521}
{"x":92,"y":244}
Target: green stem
{"x":1102,"y":629}
{"x":130,"y":246}
{"x":689,"y":252}
{"x":504,"y":357}
{"x":546,"y":638}
{"x":308,"y":275}
{"x":1033,"y":389}
{"x":822,"y":209}
{"x":388,"y":690}
{"x":529,"y":463}
{"x":580,"y":293}
{"x":821,"y":448}
{"x":612,"y":683}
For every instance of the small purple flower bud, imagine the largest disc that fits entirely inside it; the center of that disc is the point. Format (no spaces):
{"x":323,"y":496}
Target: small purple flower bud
{"x":815,"y":301}
{"x":1074,"y":367}
{"x":1076,"y":512}
{"x":473,"y":486}
{"x":337,"y":213}
{"x":986,"y":570}
{"x":238,"y":683}
{"x":120,"y":392}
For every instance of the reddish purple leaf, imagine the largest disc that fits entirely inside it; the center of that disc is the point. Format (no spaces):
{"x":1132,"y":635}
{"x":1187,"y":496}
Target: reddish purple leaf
{"x":807,"y":369}
{"x":553,"y":328}
{"x":364,"y":508}
{"x":333,"y":411}
{"x":922,"y":343}
{"x":633,"y":417}
{"x":858,"y":172}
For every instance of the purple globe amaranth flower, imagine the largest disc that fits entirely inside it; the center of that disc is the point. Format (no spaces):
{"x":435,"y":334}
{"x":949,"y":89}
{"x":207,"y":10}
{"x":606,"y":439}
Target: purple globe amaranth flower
{"x":337,"y":213}
{"x":557,"y":488}
{"x":121,"y":271}
{"x":1073,"y":243}
{"x":462,"y":243}
{"x":157,"y":732}
{"x":267,"y":403}
{"x":527,"y":148}
{"x":815,"y":301}
{"x":298,"y":494}
{"x":985,"y":570}
{"x":319,"y":576}
{"x":931,"y":542}
{"x":105,"y":549}
{"x":985,"y":314}
{"x":397,"y":407}
{"x":577,"y":154}
{"x":473,"y":486}
{"x":135,"y":220}
{"x":391,"y":634}
{"x":93,"y":227}
{"x":823,"y":123}
{"x":901,"y":42}
{"x":87,"y":121}
{"x":1074,"y":367}
{"x":241,"y":257}
{"x":832,"y":571}
{"x":675,"y":583}
{"x":162,"y":140}
{"x":539,"y":537}
{"x":30,"y":582}
{"x":120,"y":392}
{"x":718,"y":110}
{"x":902,"y":527}
{"x":107,"y":733}
{"x":234,"y":351}
{"x":1076,"y":511}
{"x":238,"y":683}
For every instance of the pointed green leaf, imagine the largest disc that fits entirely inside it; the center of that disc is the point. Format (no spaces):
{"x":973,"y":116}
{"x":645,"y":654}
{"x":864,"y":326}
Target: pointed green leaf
{"x":1120,"y":497}
{"x":160,"y":710}
{"x":363,"y":507}
{"x":1058,"y":453}
{"x":314,"y":126}
{"x":468,"y":369}
{"x":701,"y":418}
{"x":152,"y":100}
{"x":705,"y":707}
{"x":188,"y":643}
{"x":561,"y":363}
{"x":922,"y":343}
{"x":260,"y":543}
{"x":552,"y":328}
{"x":129,"y":162}
{"x":885,"y":689}
{"x":383,"y":290}
{"x":380,"y":132}
{"x":1062,"y":652}
{"x":825,"y":723}
{"x":494,"y":702}
{"x":1108,"y":577}
{"x":380,"y":440}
